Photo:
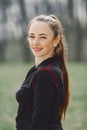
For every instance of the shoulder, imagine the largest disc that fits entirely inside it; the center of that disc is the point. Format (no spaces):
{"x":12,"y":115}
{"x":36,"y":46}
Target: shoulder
{"x":50,"y":73}
{"x":30,"y":71}
{"x":43,"y":74}
{"x":49,"y":70}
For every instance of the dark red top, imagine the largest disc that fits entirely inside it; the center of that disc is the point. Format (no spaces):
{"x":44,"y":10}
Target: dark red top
{"x":39,"y":98}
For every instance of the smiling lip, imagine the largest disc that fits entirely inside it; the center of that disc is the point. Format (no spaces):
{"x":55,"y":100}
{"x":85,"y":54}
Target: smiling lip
{"x":37,"y":49}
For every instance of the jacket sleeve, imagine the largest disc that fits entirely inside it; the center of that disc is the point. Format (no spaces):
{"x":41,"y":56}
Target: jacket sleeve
{"x":44,"y":93}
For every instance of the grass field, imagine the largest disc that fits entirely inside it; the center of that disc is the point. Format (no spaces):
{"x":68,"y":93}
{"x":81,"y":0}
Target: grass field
{"x":11,"y":77}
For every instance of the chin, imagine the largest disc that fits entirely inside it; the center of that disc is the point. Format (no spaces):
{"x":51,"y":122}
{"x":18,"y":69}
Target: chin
{"x":36,"y":55}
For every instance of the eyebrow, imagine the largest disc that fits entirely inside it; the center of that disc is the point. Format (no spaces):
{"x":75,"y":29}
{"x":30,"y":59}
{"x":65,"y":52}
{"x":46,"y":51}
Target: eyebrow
{"x":39,"y":34}
{"x":43,"y":34}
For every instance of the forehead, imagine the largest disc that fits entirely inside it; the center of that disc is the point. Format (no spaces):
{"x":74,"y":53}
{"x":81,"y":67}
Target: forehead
{"x":40,"y":27}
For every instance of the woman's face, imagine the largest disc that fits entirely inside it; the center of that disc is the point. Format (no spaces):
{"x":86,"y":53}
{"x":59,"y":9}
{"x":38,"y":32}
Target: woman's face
{"x":41,"y":39}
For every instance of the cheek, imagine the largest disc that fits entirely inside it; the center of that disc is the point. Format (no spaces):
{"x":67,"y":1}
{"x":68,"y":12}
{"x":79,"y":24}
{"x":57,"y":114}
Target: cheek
{"x":49,"y":45}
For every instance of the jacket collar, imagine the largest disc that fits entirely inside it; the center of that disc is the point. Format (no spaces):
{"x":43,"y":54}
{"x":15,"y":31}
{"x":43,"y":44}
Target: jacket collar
{"x":46,"y":62}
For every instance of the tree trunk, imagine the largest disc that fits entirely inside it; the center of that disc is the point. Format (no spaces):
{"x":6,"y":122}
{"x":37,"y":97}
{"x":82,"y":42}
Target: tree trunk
{"x":70,"y":8}
{"x":24,"y":22}
{"x":79,"y":40}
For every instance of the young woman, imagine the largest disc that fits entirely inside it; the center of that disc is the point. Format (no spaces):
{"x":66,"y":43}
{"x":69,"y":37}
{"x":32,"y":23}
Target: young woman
{"x":44,"y":95}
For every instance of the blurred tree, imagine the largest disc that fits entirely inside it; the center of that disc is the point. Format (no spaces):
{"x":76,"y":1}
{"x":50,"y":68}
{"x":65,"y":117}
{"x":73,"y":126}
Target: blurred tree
{"x":2,"y":50}
{"x":36,"y":9}
{"x":79,"y":43}
{"x":70,"y":12}
{"x":79,"y":35}
{"x":3,"y":5}
{"x":86,"y":4}
{"x":23,"y":11}
{"x":23,"y":22}
{"x":70,"y":8}
{"x":75,"y":23}
{"x":47,"y":4}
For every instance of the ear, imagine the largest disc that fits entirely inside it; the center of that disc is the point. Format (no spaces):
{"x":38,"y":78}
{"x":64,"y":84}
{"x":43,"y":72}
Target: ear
{"x":56,"y":41}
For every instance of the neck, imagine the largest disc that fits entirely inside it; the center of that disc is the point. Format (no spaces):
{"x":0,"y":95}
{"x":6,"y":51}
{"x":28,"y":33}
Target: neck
{"x":38,"y":60}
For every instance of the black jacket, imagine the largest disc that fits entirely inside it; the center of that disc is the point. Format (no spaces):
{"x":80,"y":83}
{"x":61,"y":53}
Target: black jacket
{"x":39,"y":98}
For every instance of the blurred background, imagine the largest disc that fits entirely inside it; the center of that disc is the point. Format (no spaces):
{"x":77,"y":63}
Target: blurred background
{"x":16,"y":58}
{"x":15,"y":15}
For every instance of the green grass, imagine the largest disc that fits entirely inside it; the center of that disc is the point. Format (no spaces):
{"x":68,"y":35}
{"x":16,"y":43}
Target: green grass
{"x":77,"y":111}
{"x":11,"y":77}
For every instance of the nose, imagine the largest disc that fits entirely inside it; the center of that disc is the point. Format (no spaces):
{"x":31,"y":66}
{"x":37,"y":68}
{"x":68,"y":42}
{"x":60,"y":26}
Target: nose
{"x":35,"y":41}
